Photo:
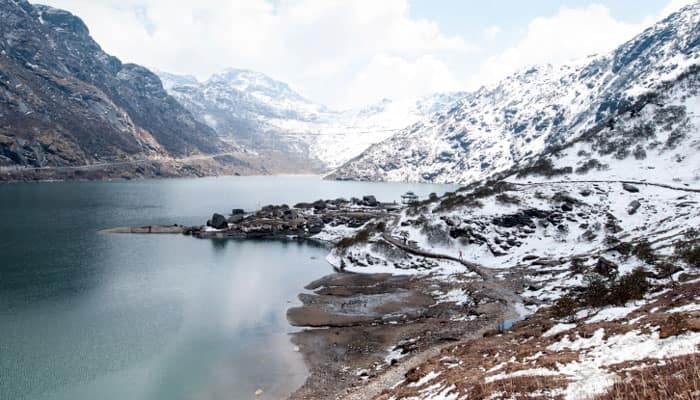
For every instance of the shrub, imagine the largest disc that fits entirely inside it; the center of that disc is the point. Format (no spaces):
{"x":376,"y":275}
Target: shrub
{"x":611,"y":241}
{"x":665,"y":270}
{"x":675,"y":378}
{"x":632,"y":286}
{"x":380,"y":227}
{"x":589,"y":165}
{"x":507,"y":199}
{"x":454,"y":201}
{"x":578,"y":265}
{"x":595,"y":290}
{"x":360,"y":237}
{"x":624,"y":248}
{"x":600,"y":292}
{"x":689,"y":253}
{"x":565,"y":308}
{"x":644,"y":252}
{"x":544,"y":167}
{"x":611,"y":224}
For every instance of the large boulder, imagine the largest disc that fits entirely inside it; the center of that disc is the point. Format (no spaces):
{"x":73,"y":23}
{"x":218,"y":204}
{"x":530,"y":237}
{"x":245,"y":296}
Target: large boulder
{"x":633,"y":207}
{"x":237,"y":211}
{"x":630,"y":188}
{"x":218,"y":221}
{"x":370,"y":201}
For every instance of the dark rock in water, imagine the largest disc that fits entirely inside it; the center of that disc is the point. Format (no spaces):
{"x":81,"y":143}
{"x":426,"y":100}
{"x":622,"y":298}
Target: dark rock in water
{"x":218,"y":221}
{"x":633,"y":207}
{"x":606,"y":267}
{"x":567,"y":207}
{"x":370,"y":201}
{"x":237,"y":211}
{"x":630,"y":188}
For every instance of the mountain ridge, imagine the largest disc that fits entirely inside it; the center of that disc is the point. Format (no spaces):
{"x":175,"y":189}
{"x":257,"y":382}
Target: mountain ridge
{"x":264,"y":114}
{"x":512,"y":122}
{"x":65,"y":102}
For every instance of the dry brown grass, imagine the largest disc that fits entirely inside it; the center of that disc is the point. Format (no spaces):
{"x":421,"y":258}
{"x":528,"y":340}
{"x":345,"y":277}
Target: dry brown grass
{"x":678,"y":378}
{"x":521,"y":387}
{"x":467,"y":366}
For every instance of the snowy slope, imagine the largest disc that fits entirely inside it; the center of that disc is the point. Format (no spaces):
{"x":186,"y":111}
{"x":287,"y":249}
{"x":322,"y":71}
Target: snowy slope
{"x":510,"y":123}
{"x":257,"y":111}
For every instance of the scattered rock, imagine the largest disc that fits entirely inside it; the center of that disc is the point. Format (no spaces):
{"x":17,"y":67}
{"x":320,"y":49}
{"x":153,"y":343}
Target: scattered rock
{"x":566,"y":207}
{"x":633,"y":207}
{"x":630,"y":188}
{"x":237,"y":211}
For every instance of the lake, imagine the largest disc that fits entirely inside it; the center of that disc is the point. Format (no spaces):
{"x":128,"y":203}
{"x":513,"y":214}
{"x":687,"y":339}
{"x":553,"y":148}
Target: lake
{"x":86,"y":315}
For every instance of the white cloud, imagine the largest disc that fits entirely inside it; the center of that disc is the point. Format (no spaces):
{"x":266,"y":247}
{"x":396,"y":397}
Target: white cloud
{"x":491,"y":32}
{"x":341,"y":52}
{"x":305,"y":42}
{"x":571,"y":33}
{"x":404,"y":78}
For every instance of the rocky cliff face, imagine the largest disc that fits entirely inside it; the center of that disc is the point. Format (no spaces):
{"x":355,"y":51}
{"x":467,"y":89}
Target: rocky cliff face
{"x":535,"y":111}
{"x":64,"y":101}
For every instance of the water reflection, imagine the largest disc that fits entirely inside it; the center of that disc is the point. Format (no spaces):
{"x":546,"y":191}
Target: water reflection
{"x":87,"y":315}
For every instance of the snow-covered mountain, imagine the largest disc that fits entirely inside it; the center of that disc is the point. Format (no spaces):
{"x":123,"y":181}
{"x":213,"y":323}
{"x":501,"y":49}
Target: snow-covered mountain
{"x":644,"y":89}
{"x":264,"y":114}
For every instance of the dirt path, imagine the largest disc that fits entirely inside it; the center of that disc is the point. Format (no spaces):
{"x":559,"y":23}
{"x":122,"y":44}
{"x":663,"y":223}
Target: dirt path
{"x":476,"y":268}
{"x":661,"y":185}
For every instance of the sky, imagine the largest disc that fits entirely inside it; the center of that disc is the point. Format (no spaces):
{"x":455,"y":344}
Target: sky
{"x":350,"y":53}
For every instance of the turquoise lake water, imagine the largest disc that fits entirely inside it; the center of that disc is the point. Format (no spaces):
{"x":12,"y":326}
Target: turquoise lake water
{"x":85,"y":315}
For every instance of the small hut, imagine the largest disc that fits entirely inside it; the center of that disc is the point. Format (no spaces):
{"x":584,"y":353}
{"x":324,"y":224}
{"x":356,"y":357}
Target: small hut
{"x":409,"y":198}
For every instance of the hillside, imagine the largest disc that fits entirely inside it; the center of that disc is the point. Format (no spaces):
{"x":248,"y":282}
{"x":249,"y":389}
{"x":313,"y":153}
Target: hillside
{"x":510,"y":124}
{"x":65,"y":102}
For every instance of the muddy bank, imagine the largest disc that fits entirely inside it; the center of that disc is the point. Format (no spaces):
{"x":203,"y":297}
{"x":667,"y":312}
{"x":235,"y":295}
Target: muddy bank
{"x":363,"y":328}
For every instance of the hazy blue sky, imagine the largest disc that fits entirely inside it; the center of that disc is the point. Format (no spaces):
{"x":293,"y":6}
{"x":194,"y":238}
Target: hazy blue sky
{"x":351,"y":52}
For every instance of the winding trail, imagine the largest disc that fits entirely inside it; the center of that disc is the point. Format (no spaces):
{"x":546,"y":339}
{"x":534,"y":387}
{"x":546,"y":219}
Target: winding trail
{"x":474,"y":267}
{"x":641,"y":183}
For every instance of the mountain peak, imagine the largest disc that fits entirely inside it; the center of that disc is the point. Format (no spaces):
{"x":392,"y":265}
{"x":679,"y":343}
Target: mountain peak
{"x":61,"y":19}
{"x":541,"y":108}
